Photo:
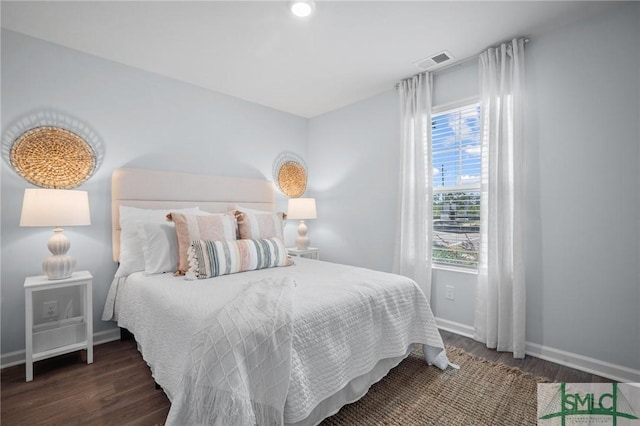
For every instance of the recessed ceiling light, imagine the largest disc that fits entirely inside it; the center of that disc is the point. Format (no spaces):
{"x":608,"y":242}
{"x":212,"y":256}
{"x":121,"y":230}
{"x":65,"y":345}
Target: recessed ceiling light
{"x":302,"y":8}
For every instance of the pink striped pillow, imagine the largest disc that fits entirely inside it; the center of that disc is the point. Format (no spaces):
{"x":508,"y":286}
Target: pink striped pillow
{"x":191,"y":227}
{"x":257,"y":225}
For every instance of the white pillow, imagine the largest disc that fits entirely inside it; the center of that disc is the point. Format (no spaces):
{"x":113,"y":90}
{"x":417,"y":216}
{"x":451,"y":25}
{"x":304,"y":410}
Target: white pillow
{"x":131,"y":254}
{"x":159,"y":247}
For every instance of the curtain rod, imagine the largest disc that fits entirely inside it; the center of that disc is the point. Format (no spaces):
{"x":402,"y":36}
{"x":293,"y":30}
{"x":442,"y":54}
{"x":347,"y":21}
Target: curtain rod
{"x":464,"y":61}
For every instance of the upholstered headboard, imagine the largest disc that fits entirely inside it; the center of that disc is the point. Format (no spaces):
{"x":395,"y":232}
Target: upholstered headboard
{"x":157,"y":189}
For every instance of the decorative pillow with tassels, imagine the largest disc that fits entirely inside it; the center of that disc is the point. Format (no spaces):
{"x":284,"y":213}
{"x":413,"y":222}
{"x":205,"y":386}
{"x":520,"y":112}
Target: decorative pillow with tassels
{"x":213,"y":258}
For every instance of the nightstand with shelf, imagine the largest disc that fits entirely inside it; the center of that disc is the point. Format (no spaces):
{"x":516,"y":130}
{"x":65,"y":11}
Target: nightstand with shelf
{"x":51,"y":338}
{"x":309,"y":253}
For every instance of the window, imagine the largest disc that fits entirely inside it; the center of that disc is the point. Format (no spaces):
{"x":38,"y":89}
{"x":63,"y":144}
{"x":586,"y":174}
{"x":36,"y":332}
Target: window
{"x":456,"y":186}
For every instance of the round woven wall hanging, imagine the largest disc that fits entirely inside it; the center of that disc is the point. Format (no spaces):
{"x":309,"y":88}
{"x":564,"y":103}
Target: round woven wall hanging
{"x":290,"y":174}
{"x":53,"y":157}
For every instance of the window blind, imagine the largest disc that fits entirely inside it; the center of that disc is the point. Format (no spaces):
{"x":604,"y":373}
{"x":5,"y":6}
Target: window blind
{"x":455,"y":173}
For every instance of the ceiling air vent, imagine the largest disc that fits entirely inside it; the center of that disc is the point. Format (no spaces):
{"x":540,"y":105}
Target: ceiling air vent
{"x":434,"y":60}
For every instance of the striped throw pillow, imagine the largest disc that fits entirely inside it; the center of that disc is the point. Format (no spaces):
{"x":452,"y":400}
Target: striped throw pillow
{"x":213,"y":258}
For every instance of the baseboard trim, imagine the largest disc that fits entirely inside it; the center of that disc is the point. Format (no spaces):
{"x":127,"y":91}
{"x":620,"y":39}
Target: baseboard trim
{"x":558,"y":356}
{"x":18,"y":357}
{"x":106,"y":336}
{"x":584,"y":363}
{"x":455,"y":327}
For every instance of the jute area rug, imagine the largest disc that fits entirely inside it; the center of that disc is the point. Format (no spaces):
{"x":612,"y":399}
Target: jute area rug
{"x":480,"y":393}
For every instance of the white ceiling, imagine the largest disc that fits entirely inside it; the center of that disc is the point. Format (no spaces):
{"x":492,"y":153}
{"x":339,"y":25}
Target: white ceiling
{"x":258,"y":51}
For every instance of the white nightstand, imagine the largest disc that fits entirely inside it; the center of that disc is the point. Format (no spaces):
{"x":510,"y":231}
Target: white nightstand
{"x":310,"y":253}
{"x":53,"y":338}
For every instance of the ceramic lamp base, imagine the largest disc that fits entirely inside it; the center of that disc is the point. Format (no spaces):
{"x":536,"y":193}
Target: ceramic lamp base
{"x":302,"y":241}
{"x":59,"y":265}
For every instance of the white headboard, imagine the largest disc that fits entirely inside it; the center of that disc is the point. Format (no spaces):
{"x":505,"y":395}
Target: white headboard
{"x":157,"y":189}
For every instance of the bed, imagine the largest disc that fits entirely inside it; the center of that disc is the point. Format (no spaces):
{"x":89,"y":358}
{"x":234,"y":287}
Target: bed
{"x":339,"y":329}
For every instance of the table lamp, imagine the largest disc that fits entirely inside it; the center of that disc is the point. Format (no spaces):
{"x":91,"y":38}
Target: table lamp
{"x":302,"y":208}
{"x":57,"y":208}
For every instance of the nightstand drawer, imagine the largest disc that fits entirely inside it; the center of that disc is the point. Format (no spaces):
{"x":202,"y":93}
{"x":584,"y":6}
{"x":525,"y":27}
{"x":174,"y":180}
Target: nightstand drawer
{"x":55,"y":335}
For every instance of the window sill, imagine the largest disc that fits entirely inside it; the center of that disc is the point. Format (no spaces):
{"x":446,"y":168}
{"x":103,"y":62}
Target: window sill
{"x":451,"y":268}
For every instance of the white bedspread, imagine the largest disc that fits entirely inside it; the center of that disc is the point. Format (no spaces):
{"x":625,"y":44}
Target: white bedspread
{"x":345,"y":320}
{"x":240,"y":362}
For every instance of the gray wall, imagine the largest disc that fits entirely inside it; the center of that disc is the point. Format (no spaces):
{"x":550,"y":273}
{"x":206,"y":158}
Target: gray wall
{"x":582,"y":194}
{"x":582,"y":188}
{"x":353,"y":154}
{"x":145,"y":121}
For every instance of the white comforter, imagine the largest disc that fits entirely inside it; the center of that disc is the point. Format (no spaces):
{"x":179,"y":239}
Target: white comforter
{"x":346,"y":319}
{"x":240,"y":362}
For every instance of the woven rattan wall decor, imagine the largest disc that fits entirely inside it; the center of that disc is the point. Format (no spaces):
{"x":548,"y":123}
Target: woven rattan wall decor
{"x":290,"y":174}
{"x":52,"y":149}
{"x":52,"y":157}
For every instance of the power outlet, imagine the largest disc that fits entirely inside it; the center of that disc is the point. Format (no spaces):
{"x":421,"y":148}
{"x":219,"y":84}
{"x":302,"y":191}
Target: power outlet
{"x":449,"y":292}
{"x":50,"y":310}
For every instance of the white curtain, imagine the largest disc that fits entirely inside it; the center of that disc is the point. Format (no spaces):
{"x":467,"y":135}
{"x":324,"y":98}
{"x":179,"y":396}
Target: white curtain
{"x":414,"y":234}
{"x":500,"y":293}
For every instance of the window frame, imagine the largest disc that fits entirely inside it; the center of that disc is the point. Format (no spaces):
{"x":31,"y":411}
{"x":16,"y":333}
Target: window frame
{"x":439,"y":110}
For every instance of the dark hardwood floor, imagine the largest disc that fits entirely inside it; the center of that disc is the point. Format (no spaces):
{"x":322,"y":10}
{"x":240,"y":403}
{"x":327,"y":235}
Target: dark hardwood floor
{"x":117,"y":389}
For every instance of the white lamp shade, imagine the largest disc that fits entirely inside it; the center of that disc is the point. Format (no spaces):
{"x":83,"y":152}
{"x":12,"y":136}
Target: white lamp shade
{"x":55,"y":207}
{"x":302,"y":208}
